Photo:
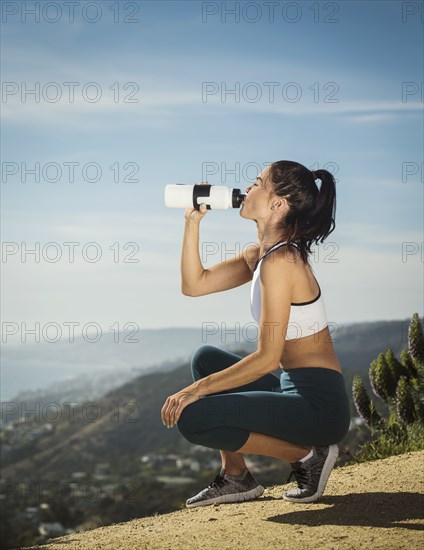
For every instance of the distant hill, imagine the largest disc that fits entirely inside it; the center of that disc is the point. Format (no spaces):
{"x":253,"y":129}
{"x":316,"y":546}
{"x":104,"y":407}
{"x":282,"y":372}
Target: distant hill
{"x":127,"y":422}
{"x":82,"y":370}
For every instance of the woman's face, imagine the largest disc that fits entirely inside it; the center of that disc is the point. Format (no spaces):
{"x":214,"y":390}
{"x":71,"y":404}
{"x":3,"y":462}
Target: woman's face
{"x":258,"y":194}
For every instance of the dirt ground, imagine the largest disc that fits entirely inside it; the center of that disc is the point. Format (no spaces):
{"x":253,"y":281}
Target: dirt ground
{"x":377,"y":504}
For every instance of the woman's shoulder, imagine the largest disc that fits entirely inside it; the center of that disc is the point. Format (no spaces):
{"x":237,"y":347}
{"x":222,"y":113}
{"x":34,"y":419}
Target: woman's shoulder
{"x":285,"y":264}
{"x":287,"y":252}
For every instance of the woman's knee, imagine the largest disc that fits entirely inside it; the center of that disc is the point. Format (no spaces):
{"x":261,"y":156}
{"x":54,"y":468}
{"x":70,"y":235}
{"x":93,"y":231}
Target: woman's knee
{"x":187,"y":424}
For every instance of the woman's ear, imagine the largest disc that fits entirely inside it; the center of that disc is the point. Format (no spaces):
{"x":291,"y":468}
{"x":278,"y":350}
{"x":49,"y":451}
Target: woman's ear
{"x":279,"y":204}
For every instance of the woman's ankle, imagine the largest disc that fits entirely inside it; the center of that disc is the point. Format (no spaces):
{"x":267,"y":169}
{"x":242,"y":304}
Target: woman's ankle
{"x":234,"y":470}
{"x":305,"y":456}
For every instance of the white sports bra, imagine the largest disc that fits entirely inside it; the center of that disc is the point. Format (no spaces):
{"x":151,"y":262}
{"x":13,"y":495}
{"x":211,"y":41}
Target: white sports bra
{"x":306,"y":318}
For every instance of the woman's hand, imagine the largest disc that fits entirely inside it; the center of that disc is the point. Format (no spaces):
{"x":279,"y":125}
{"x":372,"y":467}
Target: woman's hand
{"x":194,"y":215}
{"x":175,"y":404}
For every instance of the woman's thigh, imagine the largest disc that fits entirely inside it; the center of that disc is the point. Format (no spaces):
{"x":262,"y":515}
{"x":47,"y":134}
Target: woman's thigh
{"x":225,"y":421}
{"x":208,"y":359}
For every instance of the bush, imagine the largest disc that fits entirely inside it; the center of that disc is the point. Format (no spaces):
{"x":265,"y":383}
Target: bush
{"x":400,"y":384}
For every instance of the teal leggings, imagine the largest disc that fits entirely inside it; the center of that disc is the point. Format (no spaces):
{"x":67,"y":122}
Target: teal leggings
{"x":306,"y":406}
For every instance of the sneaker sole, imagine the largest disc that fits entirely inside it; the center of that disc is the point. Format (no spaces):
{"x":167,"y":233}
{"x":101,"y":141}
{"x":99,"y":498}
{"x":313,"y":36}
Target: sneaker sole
{"x":333,"y":453}
{"x":235,"y":497}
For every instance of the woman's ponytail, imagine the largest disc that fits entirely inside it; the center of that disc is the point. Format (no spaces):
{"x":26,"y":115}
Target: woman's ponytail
{"x":325,"y":205}
{"x":311,"y":215}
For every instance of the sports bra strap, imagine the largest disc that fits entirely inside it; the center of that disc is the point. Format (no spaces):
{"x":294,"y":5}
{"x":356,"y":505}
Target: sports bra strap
{"x":270,"y":250}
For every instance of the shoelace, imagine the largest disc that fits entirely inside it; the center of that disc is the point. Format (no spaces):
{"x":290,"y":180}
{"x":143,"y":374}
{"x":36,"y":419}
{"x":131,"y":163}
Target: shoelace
{"x":301,"y":477}
{"x":217,"y":482}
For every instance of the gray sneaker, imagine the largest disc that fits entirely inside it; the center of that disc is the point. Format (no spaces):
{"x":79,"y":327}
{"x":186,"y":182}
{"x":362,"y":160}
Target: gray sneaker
{"x":312,"y":475}
{"x":226,"y":489}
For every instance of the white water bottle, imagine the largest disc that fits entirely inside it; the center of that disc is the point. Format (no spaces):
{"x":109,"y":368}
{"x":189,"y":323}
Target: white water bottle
{"x":216,"y":197}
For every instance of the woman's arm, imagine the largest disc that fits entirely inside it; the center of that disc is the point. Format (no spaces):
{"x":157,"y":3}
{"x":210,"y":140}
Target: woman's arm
{"x":247,"y":370}
{"x":276,"y":280}
{"x":191,"y":265}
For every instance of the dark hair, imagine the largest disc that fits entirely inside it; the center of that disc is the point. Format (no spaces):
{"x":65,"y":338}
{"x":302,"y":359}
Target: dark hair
{"x":311,"y":214}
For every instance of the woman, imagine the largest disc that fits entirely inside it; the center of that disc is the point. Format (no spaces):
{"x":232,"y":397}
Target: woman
{"x":238,"y":405}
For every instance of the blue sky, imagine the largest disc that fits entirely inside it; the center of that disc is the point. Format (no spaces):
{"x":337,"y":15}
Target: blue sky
{"x":365,"y":137}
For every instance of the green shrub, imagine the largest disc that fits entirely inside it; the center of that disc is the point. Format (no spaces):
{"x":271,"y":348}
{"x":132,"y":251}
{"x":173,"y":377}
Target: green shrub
{"x":400,"y":384}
